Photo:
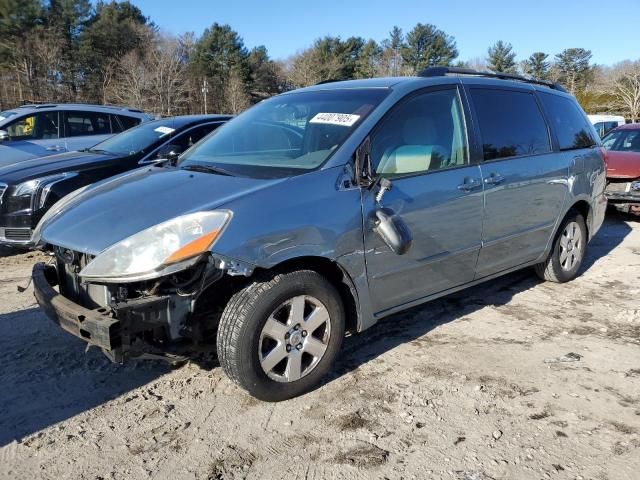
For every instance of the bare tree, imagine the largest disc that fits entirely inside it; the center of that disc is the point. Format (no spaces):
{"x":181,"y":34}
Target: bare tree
{"x":167,"y":68}
{"x":622,"y":84}
{"x":310,"y":67}
{"x":235,"y":93}
{"x":127,"y":83}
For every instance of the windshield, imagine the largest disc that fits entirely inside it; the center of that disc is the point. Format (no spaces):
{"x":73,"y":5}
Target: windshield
{"x":622,"y":141}
{"x":6,"y":114}
{"x":285,"y":135}
{"x":138,"y":139}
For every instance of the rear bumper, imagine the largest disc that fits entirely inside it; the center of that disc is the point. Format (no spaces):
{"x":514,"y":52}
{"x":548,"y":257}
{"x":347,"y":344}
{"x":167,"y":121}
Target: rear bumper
{"x":93,"y":326}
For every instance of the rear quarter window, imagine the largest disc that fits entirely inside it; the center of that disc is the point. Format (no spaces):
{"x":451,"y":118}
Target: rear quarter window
{"x":126,"y":122}
{"x":568,"y":122}
{"x":511,"y":123}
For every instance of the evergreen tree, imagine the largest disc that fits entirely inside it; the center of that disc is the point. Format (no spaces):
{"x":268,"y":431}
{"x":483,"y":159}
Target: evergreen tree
{"x":368,"y":61}
{"x":537,"y":66}
{"x":502,"y":58}
{"x":427,"y":46}
{"x":114,"y":30}
{"x":574,"y":68}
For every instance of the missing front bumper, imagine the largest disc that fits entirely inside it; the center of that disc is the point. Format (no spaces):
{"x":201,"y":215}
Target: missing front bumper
{"x":95,"y":327}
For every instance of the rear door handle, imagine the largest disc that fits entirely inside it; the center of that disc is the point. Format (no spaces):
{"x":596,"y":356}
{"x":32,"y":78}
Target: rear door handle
{"x":469,"y":184}
{"x":494,"y":179}
{"x":55,"y":148}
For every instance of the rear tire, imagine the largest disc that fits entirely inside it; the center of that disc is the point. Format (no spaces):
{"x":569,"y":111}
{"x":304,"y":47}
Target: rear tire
{"x":281,"y":334}
{"x":568,"y":252}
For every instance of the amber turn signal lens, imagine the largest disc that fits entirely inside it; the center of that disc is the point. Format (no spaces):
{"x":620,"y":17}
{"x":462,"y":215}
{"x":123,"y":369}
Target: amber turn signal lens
{"x":191,"y":249}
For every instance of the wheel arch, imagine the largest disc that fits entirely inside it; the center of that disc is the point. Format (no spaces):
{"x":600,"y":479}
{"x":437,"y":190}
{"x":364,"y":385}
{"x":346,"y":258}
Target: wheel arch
{"x":583,"y":208}
{"x":337,"y":275}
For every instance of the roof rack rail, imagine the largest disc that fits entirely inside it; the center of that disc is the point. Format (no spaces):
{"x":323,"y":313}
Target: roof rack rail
{"x":443,"y":71}
{"x":329,"y":80}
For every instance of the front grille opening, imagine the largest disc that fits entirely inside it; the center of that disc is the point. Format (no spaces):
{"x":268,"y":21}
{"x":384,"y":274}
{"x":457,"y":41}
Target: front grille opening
{"x":20,"y":234}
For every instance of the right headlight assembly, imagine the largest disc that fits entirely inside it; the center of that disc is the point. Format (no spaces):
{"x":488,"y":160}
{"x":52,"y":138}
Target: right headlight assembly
{"x":165,"y":248}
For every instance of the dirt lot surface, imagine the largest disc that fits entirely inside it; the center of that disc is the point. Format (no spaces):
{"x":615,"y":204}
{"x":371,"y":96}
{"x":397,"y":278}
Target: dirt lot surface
{"x":468,"y":387}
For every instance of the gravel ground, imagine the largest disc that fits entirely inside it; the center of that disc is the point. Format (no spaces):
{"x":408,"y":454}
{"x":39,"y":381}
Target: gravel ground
{"x":468,"y":387}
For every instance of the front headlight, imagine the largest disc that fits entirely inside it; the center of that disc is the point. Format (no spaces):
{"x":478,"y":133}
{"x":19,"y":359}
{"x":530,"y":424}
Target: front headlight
{"x":39,"y":188}
{"x":159,"y":250}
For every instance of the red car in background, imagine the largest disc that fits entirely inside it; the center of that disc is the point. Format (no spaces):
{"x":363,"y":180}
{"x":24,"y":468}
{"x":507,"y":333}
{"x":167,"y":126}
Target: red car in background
{"x":622,"y":157}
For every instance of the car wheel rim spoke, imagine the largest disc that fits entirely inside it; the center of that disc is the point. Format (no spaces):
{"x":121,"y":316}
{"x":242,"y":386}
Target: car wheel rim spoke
{"x":274,"y":329}
{"x":314,"y":347}
{"x":317,"y":318}
{"x":294,"y":339}
{"x":563,"y":257}
{"x":296,"y":314}
{"x":274,"y":357}
{"x":294,"y":367}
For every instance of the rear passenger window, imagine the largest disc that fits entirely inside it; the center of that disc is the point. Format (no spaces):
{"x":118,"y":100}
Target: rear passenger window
{"x":569,"y":123}
{"x":425,"y":133}
{"x":127,"y":122}
{"x":511,"y":123}
{"x":79,"y":124}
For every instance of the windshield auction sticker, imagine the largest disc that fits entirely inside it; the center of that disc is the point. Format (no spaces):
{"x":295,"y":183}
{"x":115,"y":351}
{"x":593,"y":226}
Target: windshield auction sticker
{"x":164,"y":130}
{"x":344,"y":119}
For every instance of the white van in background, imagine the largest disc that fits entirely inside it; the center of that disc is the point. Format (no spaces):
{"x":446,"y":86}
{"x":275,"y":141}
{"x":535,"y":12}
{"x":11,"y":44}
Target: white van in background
{"x":605,"y":123}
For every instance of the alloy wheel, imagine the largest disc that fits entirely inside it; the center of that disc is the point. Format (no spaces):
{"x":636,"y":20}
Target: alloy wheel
{"x":294,"y":338}
{"x":571,"y":246}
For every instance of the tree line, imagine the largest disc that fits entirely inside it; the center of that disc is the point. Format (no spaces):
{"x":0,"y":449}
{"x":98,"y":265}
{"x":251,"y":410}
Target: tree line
{"x":110,"y":52}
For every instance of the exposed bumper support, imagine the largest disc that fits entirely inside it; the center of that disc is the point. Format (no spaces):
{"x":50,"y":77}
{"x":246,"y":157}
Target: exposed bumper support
{"x":620,"y":197}
{"x":93,"y":326}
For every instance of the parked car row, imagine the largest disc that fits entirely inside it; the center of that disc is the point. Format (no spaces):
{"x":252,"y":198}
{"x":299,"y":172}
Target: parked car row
{"x":32,"y":131}
{"x":30,"y":187}
{"x":605,"y":123}
{"x":623,"y":167}
{"x":314,"y":213}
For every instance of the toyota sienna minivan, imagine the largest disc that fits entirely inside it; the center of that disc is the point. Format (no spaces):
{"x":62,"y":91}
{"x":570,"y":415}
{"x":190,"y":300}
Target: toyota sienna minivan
{"x":320,"y":211}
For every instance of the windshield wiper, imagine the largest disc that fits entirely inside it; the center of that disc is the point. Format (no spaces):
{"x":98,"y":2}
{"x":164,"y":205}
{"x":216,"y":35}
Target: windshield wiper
{"x":208,"y":169}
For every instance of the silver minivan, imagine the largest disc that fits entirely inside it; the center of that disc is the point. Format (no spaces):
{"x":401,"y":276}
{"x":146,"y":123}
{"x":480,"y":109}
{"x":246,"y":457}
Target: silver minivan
{"x":319,"y":212}
{"x":32,"y":131}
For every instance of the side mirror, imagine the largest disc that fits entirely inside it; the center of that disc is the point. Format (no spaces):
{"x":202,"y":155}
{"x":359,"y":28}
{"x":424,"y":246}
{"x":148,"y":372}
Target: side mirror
{"x":169,"y":152}
{"x":4,"y":135}
{"x":393,"y":230}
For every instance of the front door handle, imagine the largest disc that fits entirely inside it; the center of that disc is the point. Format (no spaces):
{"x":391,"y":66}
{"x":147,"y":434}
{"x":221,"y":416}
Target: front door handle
{"x":469,"y":184}
{"x":494,"y":179}
{"x":55,"y":148}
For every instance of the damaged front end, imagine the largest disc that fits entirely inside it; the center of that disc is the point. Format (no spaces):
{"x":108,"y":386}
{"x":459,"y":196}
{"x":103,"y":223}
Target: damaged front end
{"x":153,"y":318}
{"x":624,"y":194}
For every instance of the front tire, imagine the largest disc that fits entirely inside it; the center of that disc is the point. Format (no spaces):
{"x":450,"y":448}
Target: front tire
{"x":569,"y":250}
{"x":281,"y":334}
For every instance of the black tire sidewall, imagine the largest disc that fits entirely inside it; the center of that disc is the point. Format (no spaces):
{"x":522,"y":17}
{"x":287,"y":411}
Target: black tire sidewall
{"x":252,"y":376}
{"x":567,"y":275}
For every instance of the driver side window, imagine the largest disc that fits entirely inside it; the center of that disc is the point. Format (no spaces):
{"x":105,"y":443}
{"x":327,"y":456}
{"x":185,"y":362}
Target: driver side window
{"x":39,"y":126}
{"x":425,"y":133}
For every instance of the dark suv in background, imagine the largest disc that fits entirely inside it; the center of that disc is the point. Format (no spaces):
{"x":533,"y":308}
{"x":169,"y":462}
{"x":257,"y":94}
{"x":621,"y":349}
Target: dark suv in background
{"x":32,"y":131}
{"x":29,"y":188}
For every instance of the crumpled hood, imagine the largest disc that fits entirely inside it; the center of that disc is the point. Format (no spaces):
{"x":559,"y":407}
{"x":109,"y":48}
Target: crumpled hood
{"x":622,"y":164}
{"x":122,"y":206}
